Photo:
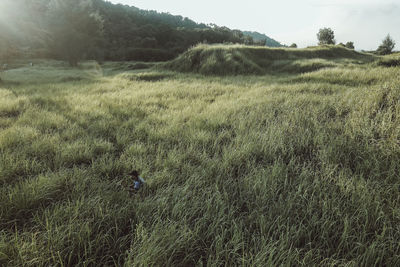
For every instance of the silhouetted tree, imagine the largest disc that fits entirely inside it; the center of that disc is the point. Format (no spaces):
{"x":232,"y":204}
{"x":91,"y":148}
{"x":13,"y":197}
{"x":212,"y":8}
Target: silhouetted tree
{"x":3,"y":53}
{"x":350,"y":45}
{"x":75,"y":29}
{"x":326,"y":36}
{"x":3,"y":49}
{"x":248,"y":40}
{"x":9,"y":29}
{"x":387,"y":46}
{"x":262,"y":42}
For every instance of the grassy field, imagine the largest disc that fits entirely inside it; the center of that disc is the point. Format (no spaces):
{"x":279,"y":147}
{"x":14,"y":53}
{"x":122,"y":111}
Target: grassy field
{"x":285,"y":168}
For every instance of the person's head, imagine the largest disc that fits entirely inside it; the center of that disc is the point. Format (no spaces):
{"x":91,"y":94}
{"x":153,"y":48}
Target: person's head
{"x":134,"y":174}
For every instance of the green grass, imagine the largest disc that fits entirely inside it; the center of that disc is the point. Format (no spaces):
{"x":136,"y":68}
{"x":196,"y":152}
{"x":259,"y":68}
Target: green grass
{"x":239,"y":59}
{"x":258,"y":170}
{"x":390,"y":60}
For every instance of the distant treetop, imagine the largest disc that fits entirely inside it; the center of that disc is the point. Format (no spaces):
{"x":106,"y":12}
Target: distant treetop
{"x":326,"y":36}
{"x":350,"y":45}
{"x":387,"y":46}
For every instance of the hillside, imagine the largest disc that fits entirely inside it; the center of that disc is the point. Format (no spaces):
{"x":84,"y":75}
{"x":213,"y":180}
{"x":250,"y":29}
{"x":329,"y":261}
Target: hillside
{"x":260,"y":36}
{"x":102,"y":31}
{"x":238,"y":59}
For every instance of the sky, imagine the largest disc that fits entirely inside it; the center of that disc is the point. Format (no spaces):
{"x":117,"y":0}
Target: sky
{"x":365,"y":22}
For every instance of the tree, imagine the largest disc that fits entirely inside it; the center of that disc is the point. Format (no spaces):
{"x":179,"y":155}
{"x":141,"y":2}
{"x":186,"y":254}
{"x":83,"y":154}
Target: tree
{"x":75,"y":29}
{"x":248,"y":40}
{"x":9,"y":30}
{"x":3,"y":53}
{"x":3,"y":49}
{"x":293,"y":45}
{"x":326,"y":36}
{"x":261,"y":42}
{"x":387,"y":46}
{"x":350,"y":45}
{"x":8,"y":51}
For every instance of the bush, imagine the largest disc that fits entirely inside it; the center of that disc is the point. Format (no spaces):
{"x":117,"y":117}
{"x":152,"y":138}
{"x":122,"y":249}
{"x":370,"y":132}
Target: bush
{"x":391,"y":62}
{"x":350,"y":45}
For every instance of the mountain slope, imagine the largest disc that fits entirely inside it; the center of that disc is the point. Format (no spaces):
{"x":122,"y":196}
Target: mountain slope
{"x":260,"y":36}
{"x":129,"y":33}
{"x":135,"y":34}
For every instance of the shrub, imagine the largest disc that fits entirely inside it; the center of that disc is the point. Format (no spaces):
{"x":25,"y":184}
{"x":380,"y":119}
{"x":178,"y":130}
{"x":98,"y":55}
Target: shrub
{"x":391,"y":62}
{"x":350,"y":45}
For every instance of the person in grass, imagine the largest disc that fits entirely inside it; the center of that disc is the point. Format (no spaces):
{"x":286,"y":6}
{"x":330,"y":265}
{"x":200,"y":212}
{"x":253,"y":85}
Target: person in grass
{"x":138,"y":181}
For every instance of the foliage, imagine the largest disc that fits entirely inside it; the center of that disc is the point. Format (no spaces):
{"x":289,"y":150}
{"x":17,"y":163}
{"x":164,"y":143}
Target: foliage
{"x":262,"y":42}
{"x":262,"y":37}
{"x":350,"y":45}
{"x":9,"y":37}
{"x":128,"y":28}
{"x":387,"y":46}
{"x":326,"y":36}
{"x":293,"y":45}
{"x":75,"y":29}
{"x":97,"y":29}
{"x":272,"y":170}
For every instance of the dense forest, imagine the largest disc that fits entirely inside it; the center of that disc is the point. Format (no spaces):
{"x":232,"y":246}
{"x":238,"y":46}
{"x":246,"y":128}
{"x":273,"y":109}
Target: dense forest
{"x":96,"y":29}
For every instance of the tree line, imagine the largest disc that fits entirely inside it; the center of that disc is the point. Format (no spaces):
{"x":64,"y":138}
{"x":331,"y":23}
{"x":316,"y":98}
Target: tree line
{"x":72,"y":30}
{"x":326,"y":36}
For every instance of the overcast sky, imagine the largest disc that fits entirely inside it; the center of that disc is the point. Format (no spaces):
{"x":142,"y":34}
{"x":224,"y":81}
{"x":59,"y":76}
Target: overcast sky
{"x":365,"y":22}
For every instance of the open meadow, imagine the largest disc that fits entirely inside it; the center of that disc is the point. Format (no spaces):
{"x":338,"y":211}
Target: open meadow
{"x":285,"y":157}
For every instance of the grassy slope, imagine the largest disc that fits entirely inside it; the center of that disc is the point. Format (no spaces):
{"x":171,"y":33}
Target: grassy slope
{"x":238,"y":59}
{"x":248,"y":170}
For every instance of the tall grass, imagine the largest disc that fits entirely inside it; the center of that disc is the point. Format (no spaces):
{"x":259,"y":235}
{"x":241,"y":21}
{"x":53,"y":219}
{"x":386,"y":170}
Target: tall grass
{"x":294,"y":169}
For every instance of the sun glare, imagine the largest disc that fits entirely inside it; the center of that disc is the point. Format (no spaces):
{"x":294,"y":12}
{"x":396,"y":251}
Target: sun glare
{"x":9,"y":13}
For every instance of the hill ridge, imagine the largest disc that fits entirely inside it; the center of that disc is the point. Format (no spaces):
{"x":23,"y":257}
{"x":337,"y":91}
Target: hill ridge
{"x":241,"y":59}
